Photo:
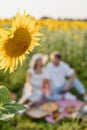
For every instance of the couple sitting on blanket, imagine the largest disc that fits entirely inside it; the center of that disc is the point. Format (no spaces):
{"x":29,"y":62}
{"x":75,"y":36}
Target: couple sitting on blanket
{"x":50,"y":81}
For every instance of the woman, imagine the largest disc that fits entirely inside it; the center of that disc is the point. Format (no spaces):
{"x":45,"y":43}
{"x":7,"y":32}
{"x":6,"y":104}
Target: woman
{"x":35,"y":75}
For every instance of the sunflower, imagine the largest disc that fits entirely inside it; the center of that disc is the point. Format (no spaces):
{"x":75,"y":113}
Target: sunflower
{"x":19,"y":40}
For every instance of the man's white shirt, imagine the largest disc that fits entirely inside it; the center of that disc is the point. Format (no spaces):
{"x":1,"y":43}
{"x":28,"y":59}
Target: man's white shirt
{"x":57,"y":74}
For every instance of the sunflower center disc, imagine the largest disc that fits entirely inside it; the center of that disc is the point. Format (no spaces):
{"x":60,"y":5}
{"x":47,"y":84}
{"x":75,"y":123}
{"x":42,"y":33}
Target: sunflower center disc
{"x":19,"y":43}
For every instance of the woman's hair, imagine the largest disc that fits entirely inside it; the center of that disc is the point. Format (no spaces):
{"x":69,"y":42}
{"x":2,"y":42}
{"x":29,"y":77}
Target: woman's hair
{"x":36,"y":64}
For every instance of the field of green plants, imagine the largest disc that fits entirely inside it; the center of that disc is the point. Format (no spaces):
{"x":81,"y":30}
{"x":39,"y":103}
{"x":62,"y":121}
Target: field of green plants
{"x":73,"y":46}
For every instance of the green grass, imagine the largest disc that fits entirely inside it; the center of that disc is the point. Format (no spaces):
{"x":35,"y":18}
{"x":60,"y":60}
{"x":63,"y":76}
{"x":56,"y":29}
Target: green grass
{"x":73,"y":47}
{"x":25,"y":123}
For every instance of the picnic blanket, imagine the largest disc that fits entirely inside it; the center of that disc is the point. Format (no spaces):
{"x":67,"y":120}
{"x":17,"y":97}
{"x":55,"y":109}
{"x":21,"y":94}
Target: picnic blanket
{"x":67,"y":109}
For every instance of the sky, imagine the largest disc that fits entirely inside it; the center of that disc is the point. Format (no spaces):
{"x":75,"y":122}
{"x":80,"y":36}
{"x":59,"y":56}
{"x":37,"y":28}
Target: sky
{"x":39,"y":8}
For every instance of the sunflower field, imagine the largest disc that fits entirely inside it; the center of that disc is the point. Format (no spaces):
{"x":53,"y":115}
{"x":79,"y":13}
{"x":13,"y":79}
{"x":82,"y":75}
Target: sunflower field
{"x":66,"y":36}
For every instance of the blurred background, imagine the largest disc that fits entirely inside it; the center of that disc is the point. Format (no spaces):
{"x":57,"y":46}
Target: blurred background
{"x":64,"y":23}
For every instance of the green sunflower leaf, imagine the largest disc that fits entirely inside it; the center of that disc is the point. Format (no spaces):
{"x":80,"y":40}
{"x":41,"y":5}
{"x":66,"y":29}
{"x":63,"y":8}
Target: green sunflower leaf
{"x":4,"y":95}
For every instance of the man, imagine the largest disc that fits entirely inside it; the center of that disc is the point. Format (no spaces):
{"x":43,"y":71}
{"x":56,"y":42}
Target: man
{"x":56,"y":73}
